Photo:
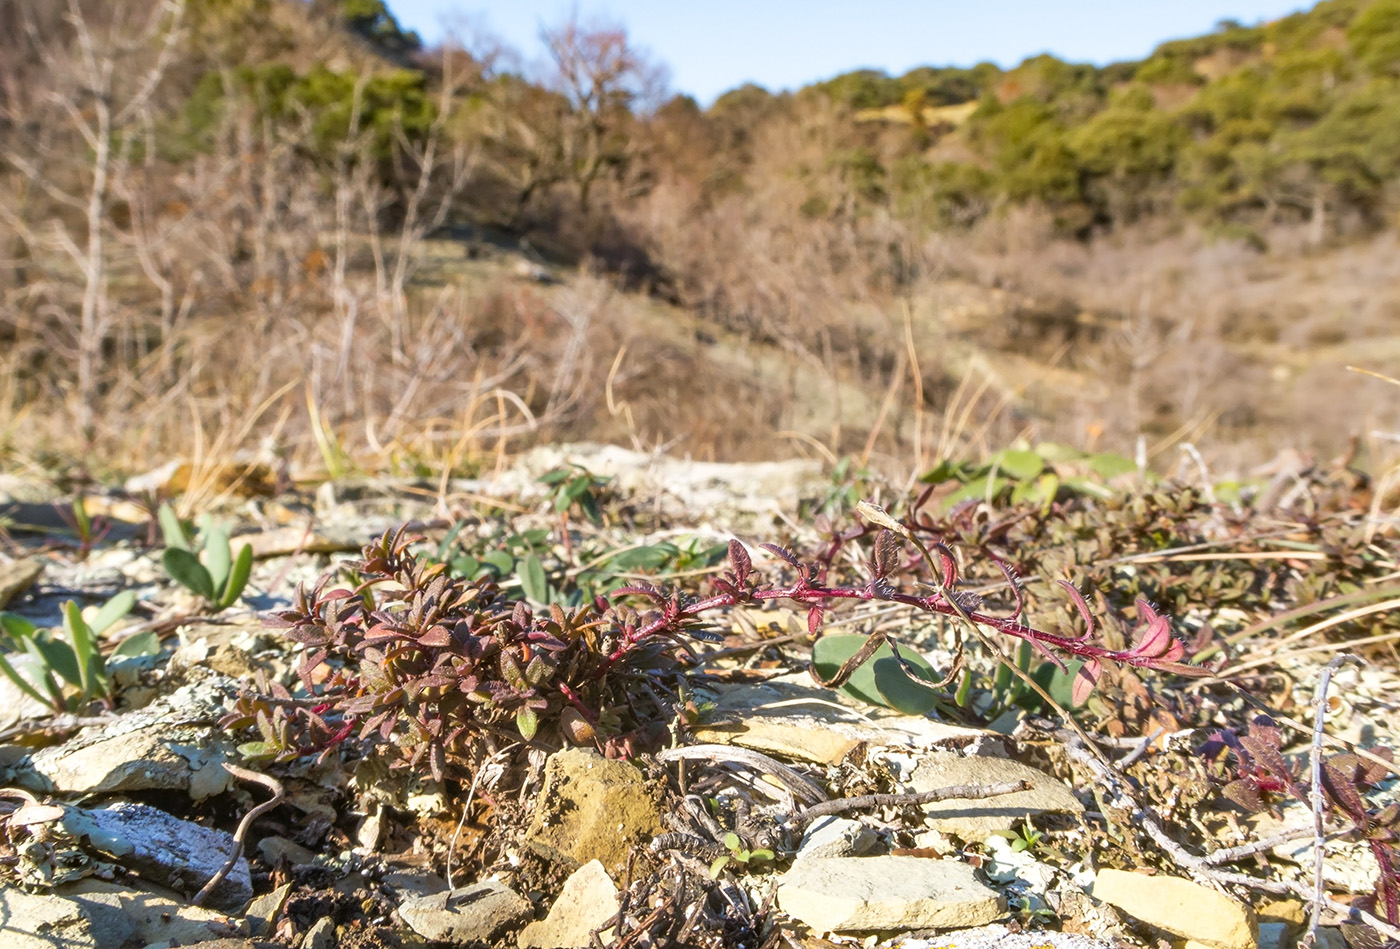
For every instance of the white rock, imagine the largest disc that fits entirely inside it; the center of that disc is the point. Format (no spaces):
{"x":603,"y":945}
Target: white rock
{"x":469,"y":914}
{"x":44,"y":922}
{"x":589,"y":898}
{"x":792,"y":717}
{"x":837,"y":837}
{"x":146,"y":917}
{"x":997,"y":937}
{"x":975,"y":820}
{"x":866,"y":894}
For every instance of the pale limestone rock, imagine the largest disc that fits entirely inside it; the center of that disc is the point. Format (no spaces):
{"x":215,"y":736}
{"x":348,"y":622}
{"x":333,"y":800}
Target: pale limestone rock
{"x":28,"y":921}
{"x":589,"y":898}
{"x":865,"y":894}
{"x":474,"y":913}
{"x":164,"y":849}
{"x":792,"y":717}
{"x":170,"y":745}
{"x":1180,"y":907}
{"x":974,"y":820}
{"x":836,"y":837}
{"x":122,"y":914}
{"x":262,"y":913}
{"x":998,"y":937}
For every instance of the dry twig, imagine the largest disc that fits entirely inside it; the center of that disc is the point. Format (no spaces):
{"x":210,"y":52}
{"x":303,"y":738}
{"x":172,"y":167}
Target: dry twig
{"x":241,"y":834}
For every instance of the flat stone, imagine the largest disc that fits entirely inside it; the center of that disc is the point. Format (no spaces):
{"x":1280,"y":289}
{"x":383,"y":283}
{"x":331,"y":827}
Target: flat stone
{"x":998,"y":937}
{"x":868,"y":894}
{"x":792,"y":717}
{"x":321,"y":935}
{"x":746,"y":494}
{"x":1180,"y":907}
{"x":592,"y":808}
{"x":469,"y":914}
{"x":587,"y":901}
{"x":16,"y":576}
{"x":408,"y":883}
{"x":262,"y":913}
{"x":164,"y":849}
{"x":28,"y":921}
{"x":275,"y":848}
{"x":285,"y":541}
{"x":14,"y":488}
{"x":121,"y":914}
{"x":974,"y":821}
{"x":170,"y":745}
{"x":837,"y":837}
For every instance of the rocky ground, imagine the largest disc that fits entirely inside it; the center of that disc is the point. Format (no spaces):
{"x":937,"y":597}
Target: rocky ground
{"x":764,"y":810}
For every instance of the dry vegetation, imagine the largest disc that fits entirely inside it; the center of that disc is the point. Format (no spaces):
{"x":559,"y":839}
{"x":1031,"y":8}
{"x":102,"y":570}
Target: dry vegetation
{"x":265,"y":227}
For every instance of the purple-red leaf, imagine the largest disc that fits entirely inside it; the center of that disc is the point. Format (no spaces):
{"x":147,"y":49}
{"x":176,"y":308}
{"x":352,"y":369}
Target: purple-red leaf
{"x":1084,"y":681}
{"x":739,"y":558}
{"x":781,"y":553}
{"x":885,"y":560}
{"x":1153,"y":638}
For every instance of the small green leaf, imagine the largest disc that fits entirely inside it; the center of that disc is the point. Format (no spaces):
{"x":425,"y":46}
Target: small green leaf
{"x":17,"y":626}
{"x":532,"y":579}
{"x":237,"y":578}
{"x":186,"y":568}
{"x":527,"y":723}
{"x":257,"y":749}
{"x":881,"y":680}
{"x":732,"y":841}
{"x":500,"y":561}
{"x":1021,"y":465}
{"x":142,"y":644}
{"x":11,"y":673}
{"x":1108,"y":465}
{"x":55,"y":656}
{"x":650,"y":557}
{"x":218,"y":558}
{"x":172,"y":529}
{"x":717,"y":867}
{"x":113,"y":610}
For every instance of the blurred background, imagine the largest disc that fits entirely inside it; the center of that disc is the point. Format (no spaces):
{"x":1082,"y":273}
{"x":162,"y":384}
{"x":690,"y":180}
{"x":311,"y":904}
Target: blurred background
{"x":413,"y":236}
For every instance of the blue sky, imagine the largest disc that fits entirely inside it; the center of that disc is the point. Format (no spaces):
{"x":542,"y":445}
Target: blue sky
{"x":715,"y":45}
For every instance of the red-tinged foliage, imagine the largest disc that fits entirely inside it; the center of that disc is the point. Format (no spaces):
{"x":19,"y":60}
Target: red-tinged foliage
{"x":1262,"y":776}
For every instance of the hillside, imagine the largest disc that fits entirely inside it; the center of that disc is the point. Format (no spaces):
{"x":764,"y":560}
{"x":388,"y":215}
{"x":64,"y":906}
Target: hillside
{"x":1190,"y":247}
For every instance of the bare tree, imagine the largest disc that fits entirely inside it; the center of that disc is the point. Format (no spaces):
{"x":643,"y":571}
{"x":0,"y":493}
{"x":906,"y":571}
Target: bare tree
{"x":103,"y":68}
{"x":605,"y":81}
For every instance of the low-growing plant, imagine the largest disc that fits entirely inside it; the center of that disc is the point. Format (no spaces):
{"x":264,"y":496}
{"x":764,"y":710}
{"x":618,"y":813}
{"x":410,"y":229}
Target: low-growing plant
{"x":218,"y":577}
{"x":424,"y":664}
{"x":573,"y":486}
{"x":88,"y":530}
{"x":740,"y":854}
{"x":1257,"y":776}
{"x":68,"y":672}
